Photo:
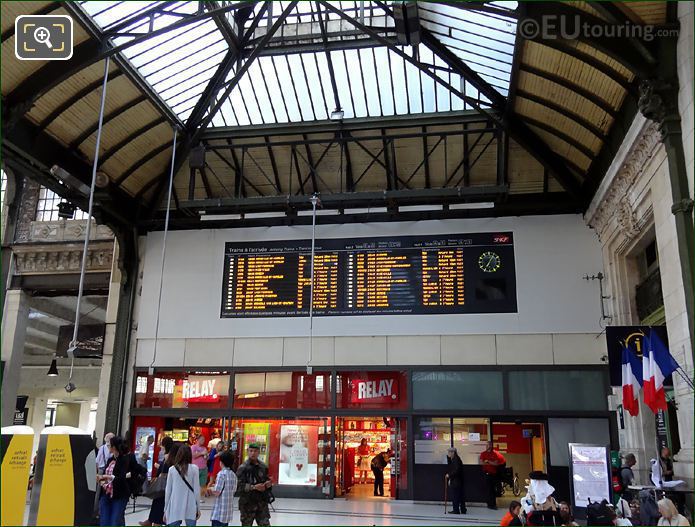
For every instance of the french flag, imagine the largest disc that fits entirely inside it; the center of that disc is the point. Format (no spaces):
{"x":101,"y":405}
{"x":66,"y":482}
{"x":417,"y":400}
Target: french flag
{"x":657,"y":364}
{"x":632,"y":380}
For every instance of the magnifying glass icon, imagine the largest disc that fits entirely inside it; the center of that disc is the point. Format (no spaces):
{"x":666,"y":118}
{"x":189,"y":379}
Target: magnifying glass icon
{"x":42,"y":36}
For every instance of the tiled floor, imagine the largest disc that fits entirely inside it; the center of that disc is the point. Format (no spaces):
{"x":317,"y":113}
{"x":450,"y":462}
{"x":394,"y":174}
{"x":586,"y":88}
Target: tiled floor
{"x":347,"y":512}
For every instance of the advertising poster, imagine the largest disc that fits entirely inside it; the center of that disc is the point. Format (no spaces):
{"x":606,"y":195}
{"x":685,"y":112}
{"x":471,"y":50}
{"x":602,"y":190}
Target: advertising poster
{"x":16,"y":464}
{"x":142,"y":447}
{"x":591,"y":474}
{"x":257,"y":433}
{"x":64,"y":480}
{"x":298,"y":455}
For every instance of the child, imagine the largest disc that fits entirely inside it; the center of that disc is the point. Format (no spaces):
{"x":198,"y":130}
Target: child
{"x":225,"y":487}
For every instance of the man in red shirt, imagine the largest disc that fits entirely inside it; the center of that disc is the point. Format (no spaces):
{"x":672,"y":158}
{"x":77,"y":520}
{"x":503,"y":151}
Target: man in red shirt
{"x":493,"y":464}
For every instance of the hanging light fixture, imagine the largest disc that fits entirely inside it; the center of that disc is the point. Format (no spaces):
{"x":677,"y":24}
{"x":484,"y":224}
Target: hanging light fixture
{"x":53,"y":370}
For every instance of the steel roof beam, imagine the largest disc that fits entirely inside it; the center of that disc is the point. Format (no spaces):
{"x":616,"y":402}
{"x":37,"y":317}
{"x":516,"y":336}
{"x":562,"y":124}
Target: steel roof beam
{"x":453,"y":118}
{"x":349,"y":138}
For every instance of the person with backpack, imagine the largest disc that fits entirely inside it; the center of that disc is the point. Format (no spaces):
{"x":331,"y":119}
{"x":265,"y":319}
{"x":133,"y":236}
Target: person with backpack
{"x":379,"y":463}
{"x":254,"y":489}
{"x":115,"y":489}
{"x":627,"y":476}
{"x":225,"y":487}
{"x":182,"y":495}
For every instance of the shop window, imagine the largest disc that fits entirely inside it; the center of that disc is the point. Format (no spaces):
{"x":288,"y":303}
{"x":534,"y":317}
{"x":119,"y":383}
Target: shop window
{"x":182,"y":390}
{"x":557,"y":390}
{"x":432,"y":437}
{"x":457,"y":390}
{"x":297,"y":451}
{"x":471,"y":436}
{"x":47,"y":207}
{"x":287,"y":389}
{"x":373,"y":390}
{"x":562,"y":432}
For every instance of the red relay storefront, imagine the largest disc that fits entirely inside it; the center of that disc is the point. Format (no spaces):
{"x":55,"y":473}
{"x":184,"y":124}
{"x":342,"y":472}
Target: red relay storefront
{"x":308,"y":431}
{"x":311,"y":426}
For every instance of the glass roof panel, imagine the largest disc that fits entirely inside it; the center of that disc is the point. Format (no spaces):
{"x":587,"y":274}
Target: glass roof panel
{"x":290,"y":81}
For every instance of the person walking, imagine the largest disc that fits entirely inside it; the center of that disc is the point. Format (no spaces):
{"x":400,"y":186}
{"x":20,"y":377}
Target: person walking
{"x":254,"y":486}
{"x":379,"y":463}
{"x":182,"y":495}
{"x":454,"y":480}
{"x":225,"y":487}
{"x":493,"y":464}
{"x":104,"y":453}
{"x":156,"y":516}
{"x":363,"y":451}
{"x":115,"y":490}
{"x":200,"y":460}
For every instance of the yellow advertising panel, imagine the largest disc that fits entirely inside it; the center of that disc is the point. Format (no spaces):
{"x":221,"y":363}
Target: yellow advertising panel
{"x":16,"y":464}
{"x":258,"y":433}
{"x":57,"y":491}
{"x":65,"y":478}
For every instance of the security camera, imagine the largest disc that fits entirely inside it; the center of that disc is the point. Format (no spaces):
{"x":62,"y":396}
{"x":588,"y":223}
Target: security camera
{"x":604,"y":358}
{"x":70,"y":387}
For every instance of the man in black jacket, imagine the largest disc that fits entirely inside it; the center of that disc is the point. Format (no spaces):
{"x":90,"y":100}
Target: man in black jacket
{"x":454,"y":479}
{"x":379,"y":463}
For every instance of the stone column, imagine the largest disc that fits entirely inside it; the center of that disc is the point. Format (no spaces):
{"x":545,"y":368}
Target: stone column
{"x":109,"y":340}
{"x":38,"y":418}
{"x":85,"y":409}
{"x":15,"y":317}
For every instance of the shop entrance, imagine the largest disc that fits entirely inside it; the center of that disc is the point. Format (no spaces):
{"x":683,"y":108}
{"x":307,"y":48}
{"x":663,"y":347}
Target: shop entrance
{"x":523,"y":446}
{"x":358,"y":441}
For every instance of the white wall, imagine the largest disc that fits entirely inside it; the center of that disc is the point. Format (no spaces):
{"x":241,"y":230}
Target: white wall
{"x":552,"y":253}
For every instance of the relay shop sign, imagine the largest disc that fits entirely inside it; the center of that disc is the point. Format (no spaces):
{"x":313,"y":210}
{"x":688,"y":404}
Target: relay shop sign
{"x":200,"y":389}
{"x":380,"y":390}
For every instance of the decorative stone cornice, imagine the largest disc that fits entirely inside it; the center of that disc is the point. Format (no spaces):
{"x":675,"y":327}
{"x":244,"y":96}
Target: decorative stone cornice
{"x":64,"y":258}
{"x":615,"y":203}
{"x":66,"y":231}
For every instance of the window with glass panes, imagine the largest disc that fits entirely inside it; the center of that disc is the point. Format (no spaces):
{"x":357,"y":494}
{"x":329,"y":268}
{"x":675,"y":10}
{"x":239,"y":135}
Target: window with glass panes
{"x":47,"y":207}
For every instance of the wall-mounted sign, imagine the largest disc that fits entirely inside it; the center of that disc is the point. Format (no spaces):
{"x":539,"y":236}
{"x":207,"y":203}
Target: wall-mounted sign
{"x":618,"y":336}
{"x":90,"y":340}
{"x":20,"y":416}
{"x":374,"y":390}
{"x":445,"y":274}
{"x":200,"y":389}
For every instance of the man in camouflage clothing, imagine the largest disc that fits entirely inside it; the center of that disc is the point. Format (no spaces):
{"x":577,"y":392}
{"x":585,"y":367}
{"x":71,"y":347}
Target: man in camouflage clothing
{"x":253,"y":486}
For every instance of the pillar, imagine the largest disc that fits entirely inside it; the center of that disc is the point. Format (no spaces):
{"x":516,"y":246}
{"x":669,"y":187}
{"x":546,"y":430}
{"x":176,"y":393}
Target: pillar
{"x":83,"y":420}
{"x":15,"y":317}
{"x":38,"y":418}
{"x":108,"y":350}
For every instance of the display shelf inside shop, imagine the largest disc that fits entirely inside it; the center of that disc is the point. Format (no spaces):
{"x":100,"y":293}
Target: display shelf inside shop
{"x":378,"y":441}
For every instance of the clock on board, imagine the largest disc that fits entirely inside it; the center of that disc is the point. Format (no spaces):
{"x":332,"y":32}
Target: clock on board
{"x":489,"y":262}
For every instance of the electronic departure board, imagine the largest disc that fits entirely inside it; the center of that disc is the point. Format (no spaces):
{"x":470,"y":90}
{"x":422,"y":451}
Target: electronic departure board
{"x":448,"y":274}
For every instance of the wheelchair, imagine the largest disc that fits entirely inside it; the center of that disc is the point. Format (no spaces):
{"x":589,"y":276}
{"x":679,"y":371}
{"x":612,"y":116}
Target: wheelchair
{"x":510,"y":482}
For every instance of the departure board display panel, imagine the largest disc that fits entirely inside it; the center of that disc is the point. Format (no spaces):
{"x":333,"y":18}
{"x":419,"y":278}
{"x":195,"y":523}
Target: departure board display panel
{"x":447,"y":274}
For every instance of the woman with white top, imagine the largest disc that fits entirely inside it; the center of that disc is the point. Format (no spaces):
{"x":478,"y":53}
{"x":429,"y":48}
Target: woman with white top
{"x":181,"y":499}
{"x":670,"y":515}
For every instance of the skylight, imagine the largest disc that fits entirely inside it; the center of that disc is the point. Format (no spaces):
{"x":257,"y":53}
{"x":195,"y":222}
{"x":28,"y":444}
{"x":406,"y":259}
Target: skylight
{"x":290,"y":80}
